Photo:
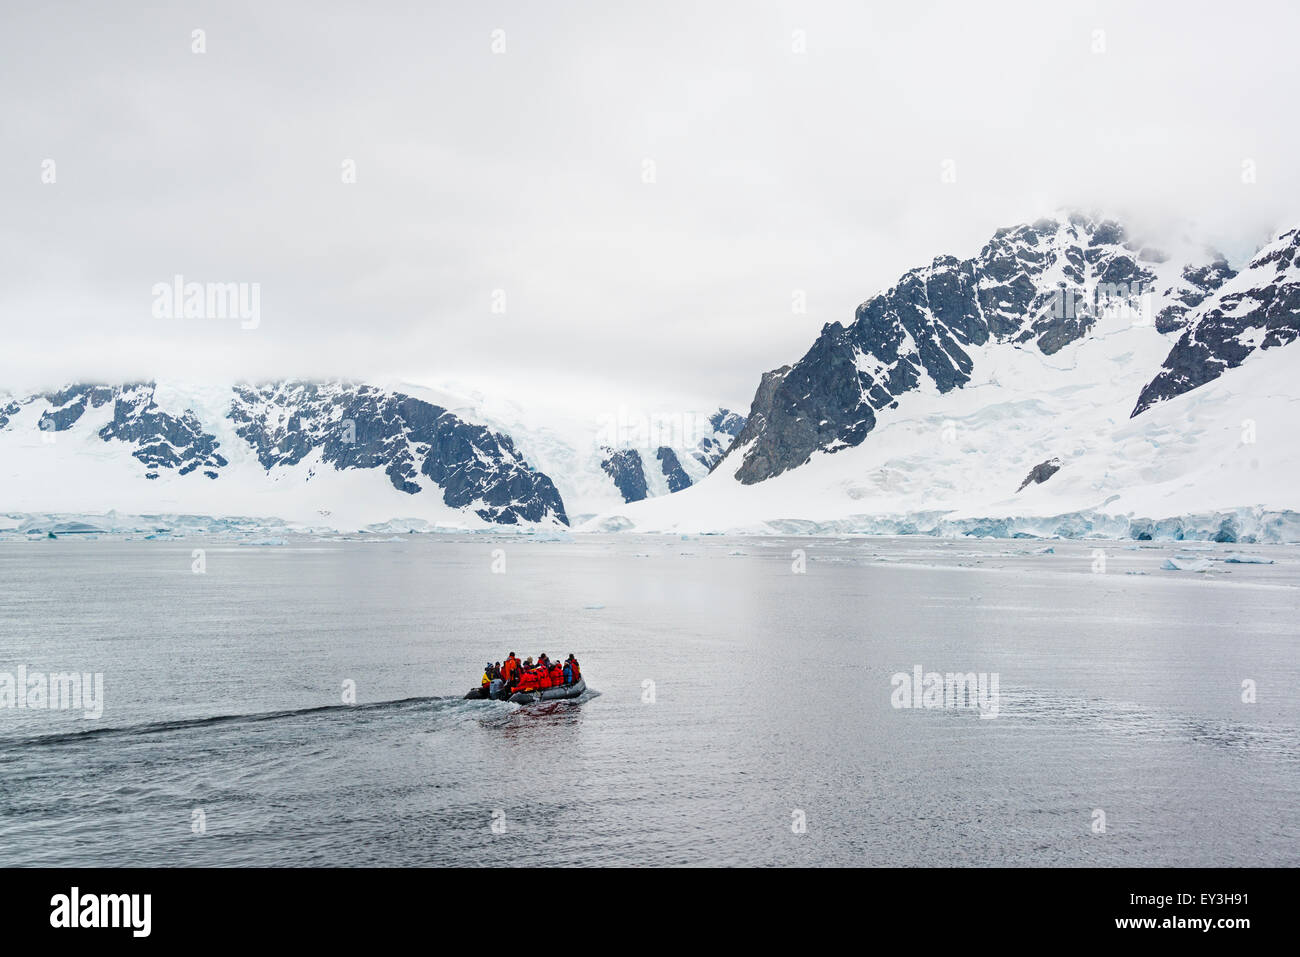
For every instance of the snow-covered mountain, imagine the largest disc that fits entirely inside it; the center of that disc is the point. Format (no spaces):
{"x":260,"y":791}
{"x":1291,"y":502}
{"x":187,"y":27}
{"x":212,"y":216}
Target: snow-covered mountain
{"x":1040,"y":287}
{"x":601,"y":460}
{"x":1066,"y":379}
{"x":338,"y":455}
{"x":1258,"y":309}
{"x":331,"y":454}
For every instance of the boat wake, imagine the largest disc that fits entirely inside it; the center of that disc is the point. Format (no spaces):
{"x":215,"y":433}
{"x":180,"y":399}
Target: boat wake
{"x":369,"y":709}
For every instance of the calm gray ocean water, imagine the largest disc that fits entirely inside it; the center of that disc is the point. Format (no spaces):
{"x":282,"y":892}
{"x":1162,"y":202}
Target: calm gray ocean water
{"x":1120,"y":692}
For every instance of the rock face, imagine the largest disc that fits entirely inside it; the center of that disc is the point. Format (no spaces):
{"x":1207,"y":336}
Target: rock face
{"x":1199,"y":282}
{"x":1040,"y":473}
{"x":625,"y":467}
{"x":70,"y":404}
{"x":421,"y":448}
{"x":1257,"y":309}
{"x":351,"y":426}
{"x":159,"y":439}
{"x":671,"y":467}
{"x":1039,"y":286}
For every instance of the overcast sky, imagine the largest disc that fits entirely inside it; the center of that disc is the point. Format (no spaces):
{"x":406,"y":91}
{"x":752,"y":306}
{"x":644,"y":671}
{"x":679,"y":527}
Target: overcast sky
{"x":795,"y":146}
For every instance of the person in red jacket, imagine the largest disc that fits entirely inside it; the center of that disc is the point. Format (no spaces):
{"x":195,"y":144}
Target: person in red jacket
{"x":543,"y":677}
{"x":557,"y":675}
{"x":527,"y":681}
{"x":577,"y":672}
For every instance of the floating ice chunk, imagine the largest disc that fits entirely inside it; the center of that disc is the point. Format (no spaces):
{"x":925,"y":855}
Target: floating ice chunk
{"x":1187,"y":564}
{"x":614,"y":523}
{"x":1236,"y":558}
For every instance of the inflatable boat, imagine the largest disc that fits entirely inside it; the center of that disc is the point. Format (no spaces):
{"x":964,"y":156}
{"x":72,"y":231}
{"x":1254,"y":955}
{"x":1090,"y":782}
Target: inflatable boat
{"x":528,"y":697}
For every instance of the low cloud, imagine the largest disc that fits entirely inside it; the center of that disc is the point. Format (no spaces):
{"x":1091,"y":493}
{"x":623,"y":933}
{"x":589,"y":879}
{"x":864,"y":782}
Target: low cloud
{"x":625,"y":203}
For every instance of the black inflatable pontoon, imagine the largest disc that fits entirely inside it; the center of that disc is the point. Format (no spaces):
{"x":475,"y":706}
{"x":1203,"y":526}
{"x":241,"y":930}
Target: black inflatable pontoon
{"x":528,"y":697}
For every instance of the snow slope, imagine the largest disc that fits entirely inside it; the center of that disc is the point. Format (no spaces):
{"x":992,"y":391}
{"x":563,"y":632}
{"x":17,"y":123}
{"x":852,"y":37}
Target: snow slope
{"x":952,"y":462}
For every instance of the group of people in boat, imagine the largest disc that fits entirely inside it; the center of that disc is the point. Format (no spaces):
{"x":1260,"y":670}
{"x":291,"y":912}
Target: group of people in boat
{"x":528,"y":675}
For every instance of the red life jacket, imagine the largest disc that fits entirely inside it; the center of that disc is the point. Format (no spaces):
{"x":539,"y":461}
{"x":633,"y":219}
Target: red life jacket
{"x":543,"y":678}
{"x":527,"y":682}
{"x":557,"y":676}
{"x":508,"y":668}
{"x":577,"y":673}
